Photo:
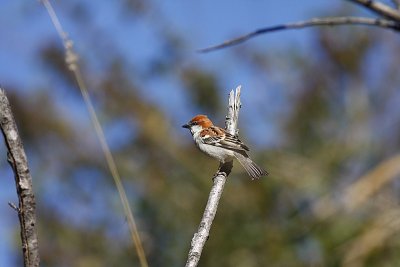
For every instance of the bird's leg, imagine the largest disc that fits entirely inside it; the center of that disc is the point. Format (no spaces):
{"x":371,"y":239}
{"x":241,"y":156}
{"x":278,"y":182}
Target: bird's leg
{"x":224,"y":169}
{"x":218,"y":171}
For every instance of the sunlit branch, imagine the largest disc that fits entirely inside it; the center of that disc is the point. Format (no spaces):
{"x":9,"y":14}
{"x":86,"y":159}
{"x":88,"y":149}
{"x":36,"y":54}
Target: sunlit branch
{"x":330,"y":21}
{"x":201,"y":236}
{"x":23,"y":181}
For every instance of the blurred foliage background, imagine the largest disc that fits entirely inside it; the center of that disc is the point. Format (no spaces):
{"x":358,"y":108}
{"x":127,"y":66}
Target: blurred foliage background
{"x":320,"y":110}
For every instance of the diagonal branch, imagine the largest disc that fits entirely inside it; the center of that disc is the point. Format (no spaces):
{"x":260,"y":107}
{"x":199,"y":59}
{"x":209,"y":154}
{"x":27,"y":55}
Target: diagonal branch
{"x":201,"y":236}
{"x":329,"y":21}
{"x":23,"y":181}
{"x":71,"y":59}
{"x":379,"y":8}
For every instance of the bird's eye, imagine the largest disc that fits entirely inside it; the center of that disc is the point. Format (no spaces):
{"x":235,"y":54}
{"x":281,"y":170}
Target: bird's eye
{"x":194,"y":123}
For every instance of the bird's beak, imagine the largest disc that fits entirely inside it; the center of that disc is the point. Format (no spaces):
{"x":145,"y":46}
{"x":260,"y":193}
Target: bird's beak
{"x":186,"y":126}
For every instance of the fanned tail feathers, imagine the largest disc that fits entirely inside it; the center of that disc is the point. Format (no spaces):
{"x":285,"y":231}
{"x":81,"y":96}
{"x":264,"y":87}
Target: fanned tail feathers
{"x":251,"y":168}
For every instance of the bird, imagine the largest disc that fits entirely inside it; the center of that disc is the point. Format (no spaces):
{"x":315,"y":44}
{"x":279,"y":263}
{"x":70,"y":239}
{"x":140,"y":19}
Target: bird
{"x":221,"y":145}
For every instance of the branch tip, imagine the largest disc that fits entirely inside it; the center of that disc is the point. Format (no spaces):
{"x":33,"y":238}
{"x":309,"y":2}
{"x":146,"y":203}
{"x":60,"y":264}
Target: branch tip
{"x":14,"y":207}
{"x":328,"y":21}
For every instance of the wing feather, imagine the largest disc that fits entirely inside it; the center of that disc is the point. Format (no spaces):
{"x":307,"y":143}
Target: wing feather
{"x":219,"y":137}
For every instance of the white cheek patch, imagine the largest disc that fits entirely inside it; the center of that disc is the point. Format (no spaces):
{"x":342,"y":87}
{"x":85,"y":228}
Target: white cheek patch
{"x":206,"y":136}
{"x":195,"y":129}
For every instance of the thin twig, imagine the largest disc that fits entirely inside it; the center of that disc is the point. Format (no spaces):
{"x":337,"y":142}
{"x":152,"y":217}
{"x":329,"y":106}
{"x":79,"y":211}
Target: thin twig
{"x":200,"y":237}
{"x":23,"y":181}
{"x":14,"y":207}
{"x":379,"y":8}
{"x":71,"y":59}
{"x":329,"y":21}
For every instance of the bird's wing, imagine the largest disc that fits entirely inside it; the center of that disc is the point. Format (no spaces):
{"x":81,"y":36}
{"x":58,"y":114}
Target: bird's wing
{"x":219,"y":137}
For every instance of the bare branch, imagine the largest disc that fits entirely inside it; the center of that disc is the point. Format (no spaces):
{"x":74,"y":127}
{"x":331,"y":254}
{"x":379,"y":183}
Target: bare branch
{"x":201,"y":236}
{"x":329,"y":21}
{"x":379,"y":8}
{"x":23,"y":181}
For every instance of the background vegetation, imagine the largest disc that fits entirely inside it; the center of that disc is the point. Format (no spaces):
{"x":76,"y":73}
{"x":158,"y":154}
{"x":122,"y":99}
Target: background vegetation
{"x":320,"y":110}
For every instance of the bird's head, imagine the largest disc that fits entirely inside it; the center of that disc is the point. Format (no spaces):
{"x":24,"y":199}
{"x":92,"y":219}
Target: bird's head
{"x":198,"y":123}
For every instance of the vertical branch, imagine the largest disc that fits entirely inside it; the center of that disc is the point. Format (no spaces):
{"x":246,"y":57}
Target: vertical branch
{"x":200,"y":237}
{"x":23,"y":180}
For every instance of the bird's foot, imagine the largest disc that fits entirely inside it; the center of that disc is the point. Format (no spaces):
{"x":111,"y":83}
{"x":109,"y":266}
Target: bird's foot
{"x":218,"y":173}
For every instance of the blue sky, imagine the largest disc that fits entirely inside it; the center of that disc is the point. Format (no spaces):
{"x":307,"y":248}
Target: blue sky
{"x":26,"y":27}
